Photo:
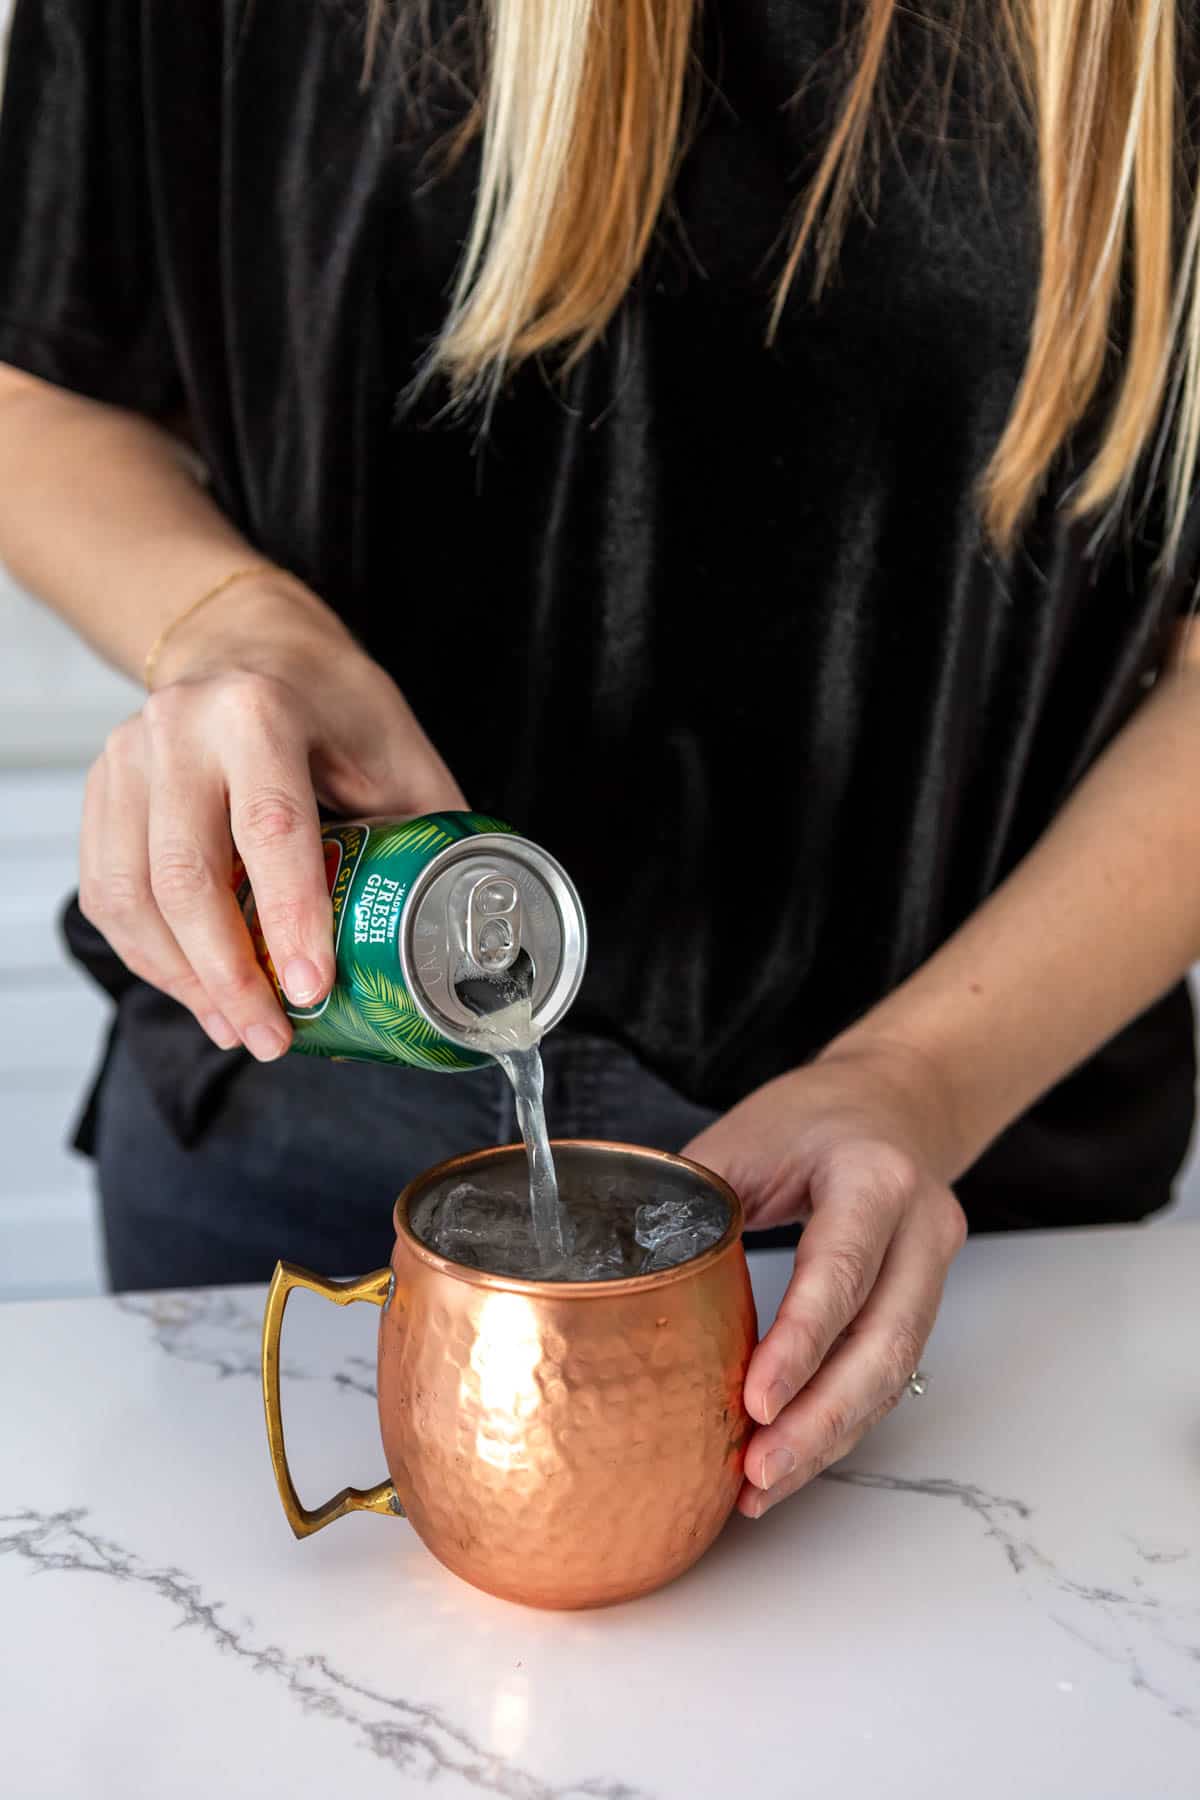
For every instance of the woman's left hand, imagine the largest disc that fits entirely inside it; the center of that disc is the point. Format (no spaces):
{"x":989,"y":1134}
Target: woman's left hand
{"x":851,"y":1145}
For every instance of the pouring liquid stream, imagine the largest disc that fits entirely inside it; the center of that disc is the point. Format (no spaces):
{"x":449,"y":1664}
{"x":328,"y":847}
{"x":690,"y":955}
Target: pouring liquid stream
{"x":551,"y":1228}
{"x":508,"y":1035}
{"x":598,"y":1235}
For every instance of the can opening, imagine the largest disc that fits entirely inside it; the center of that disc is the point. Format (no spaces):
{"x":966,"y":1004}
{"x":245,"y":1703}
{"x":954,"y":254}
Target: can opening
{"x":491,"y":923}
{"x":485,"y":994}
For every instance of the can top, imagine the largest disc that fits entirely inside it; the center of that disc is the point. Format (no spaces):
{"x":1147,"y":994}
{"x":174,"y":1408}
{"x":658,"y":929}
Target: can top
{"x":483,"y":907}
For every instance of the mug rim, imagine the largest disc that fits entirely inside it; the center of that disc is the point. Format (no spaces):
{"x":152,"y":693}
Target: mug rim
{"x":625,"y":1285}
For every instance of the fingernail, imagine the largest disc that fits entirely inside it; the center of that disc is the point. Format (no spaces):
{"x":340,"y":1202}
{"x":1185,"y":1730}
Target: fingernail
{"x":774,"y":1400}
{"x":220,"y":1031}
{"x":776,"y":1465}
{"x":264,"y":1042}
{"x":301,"y":981}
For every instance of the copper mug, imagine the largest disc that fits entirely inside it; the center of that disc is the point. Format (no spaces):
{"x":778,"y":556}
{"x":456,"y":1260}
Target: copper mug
{"x":559,"y":1444}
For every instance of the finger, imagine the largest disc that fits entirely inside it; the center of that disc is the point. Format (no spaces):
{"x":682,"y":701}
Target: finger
{"x":191,"y":863}
{"x":869,"y":1370}
{"x":409,"y":784}
{"x":416,"y":773}
{"x":435,"y":789}
{"x":753,"y":1502}
{"x":114,"y":881}
{"x":383,"y":763}
{"x":277,"y":831}
{"x":857,"y":1205}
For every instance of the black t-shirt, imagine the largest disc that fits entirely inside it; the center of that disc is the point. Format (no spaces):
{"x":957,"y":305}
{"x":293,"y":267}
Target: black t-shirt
{"x":714,"y":621}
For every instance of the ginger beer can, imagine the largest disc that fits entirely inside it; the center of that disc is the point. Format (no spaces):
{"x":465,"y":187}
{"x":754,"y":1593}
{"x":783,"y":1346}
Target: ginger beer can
{"x":430,"y":914}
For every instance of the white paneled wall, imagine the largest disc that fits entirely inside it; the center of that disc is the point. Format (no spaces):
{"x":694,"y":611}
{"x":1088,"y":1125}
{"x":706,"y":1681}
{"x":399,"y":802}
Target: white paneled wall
{"x":57,"y":703}
{"x":52,"y":1024}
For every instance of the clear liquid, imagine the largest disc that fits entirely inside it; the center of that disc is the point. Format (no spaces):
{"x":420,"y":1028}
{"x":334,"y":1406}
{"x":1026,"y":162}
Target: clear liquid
{"x":509,"y":1036}
{"x":550,"y":1228}
{"x":622,"y":1222}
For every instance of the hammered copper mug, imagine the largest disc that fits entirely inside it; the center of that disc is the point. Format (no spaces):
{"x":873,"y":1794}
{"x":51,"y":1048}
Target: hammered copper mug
{"x":562,"y":1444}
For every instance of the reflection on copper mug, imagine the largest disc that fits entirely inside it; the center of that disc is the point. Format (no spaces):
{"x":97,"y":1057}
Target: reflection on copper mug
{"x":560,"y":1444}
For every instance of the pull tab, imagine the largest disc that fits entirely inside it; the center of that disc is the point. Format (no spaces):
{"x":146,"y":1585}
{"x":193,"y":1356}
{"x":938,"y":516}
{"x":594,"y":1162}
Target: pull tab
{"x":494,"y":924}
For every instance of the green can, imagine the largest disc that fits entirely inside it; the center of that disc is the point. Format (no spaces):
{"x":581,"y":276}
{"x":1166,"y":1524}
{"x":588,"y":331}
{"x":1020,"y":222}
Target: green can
{"x":428,"y":913}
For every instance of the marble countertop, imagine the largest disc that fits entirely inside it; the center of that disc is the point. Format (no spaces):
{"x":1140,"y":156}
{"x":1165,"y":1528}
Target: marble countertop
{"x":998,"y":1595}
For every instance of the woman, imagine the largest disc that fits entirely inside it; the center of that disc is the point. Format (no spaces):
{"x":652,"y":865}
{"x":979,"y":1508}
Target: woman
{"x":765,"y":524}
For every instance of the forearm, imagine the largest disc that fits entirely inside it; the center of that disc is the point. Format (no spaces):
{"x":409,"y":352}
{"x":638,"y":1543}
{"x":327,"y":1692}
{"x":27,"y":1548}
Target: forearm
{"x":101,"y":518}
{"x":1097,"y":922}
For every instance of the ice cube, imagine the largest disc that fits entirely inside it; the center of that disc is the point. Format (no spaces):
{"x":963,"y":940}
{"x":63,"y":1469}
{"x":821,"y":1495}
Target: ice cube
{"x":597,"y":1259}
{"x":466,"y":1211}
{"x":659,"y":1220}
{"x":673,"y":1231}
{"x":611,"y":1232}
{"x":680,"y":1247}
{"x":484,"y":1229}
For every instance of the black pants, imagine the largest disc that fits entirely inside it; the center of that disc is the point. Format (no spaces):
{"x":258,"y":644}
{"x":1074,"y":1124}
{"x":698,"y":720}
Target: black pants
{"x":304,"y":1158}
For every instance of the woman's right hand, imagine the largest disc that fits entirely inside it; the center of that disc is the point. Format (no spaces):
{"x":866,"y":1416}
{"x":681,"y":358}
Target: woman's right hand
{"x":264,"y":704}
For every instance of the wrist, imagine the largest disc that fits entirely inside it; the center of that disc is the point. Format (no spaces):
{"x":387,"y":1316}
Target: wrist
{"x":912,"y":1084}
{"x":269,"y":623}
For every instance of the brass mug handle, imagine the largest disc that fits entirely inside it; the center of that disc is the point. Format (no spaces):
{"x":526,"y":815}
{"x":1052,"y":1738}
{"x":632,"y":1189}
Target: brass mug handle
{"x":382,"y":1498}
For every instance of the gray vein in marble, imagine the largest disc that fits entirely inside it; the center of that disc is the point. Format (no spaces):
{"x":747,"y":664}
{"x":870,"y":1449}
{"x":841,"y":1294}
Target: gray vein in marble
{"x":1159,"y":1553}
{"x":988,"y":1507}
{"x":1110,"y":1618}
{"x":1124,"y":1656}
{"x":214,"y":1330}
{"x":414,"y":1739}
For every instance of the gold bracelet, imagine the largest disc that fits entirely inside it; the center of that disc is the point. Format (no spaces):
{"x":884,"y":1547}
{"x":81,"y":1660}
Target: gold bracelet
{"x":156,"y":648}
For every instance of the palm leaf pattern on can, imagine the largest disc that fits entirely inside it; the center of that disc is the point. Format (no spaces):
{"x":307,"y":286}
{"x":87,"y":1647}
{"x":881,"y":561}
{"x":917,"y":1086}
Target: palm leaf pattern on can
{"x":388,"y":1008}
{"x":369,"y":1015}
{"x":424,"y":835}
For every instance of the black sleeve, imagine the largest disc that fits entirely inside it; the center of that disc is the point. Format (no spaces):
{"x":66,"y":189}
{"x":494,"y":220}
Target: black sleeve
{"x":80,"y":302}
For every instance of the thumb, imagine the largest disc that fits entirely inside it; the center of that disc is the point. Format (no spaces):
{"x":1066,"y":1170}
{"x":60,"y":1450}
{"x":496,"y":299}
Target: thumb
{"x":411,"y":784}
{"x":721,"y":1149}
{"x":386,"y":766}
{"x":770,"y":1182}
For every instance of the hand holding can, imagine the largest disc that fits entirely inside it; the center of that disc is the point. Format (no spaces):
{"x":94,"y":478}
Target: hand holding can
{"x":426,"y":913}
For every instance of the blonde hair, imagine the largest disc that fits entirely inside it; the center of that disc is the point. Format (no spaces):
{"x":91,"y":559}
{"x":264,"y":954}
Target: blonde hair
{"x":583,"y":107}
